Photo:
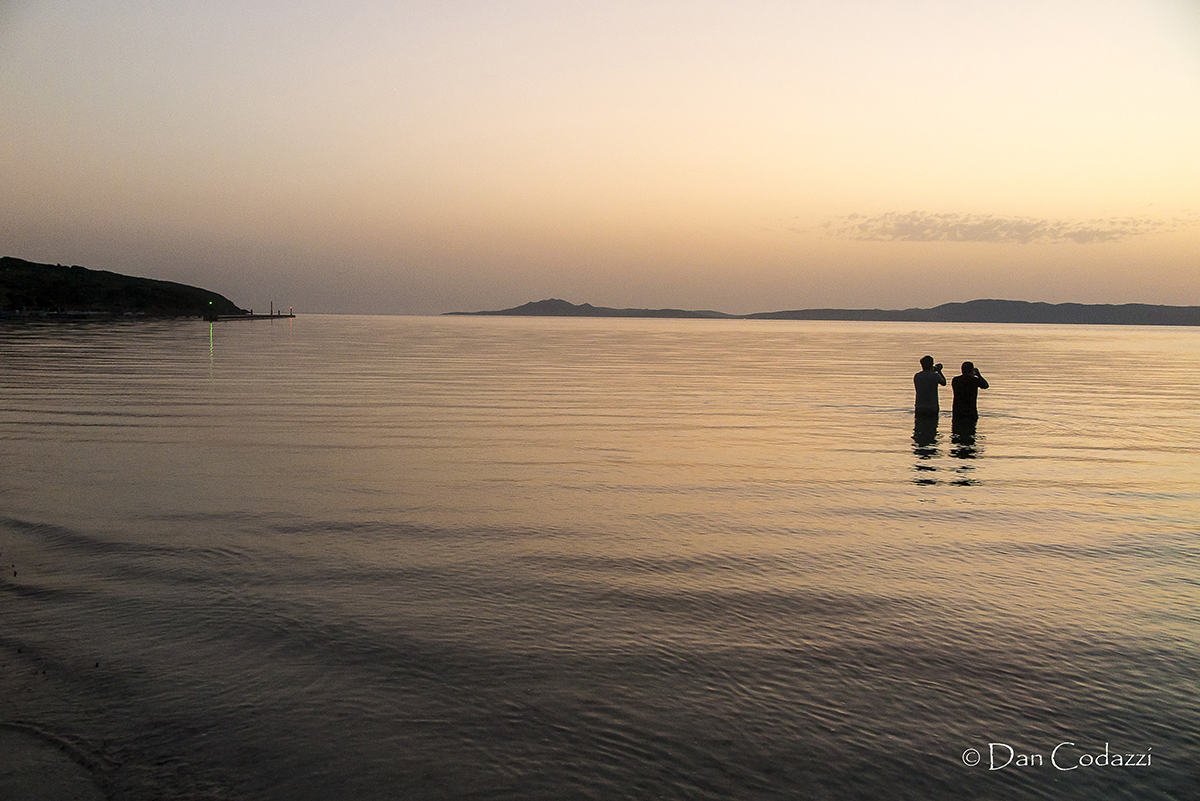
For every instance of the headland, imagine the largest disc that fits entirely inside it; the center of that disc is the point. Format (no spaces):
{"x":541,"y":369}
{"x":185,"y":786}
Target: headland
{"x":32,"y":290}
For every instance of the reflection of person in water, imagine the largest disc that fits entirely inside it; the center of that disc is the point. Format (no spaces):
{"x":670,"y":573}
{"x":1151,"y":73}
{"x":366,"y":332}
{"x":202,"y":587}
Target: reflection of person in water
{"x":927,"y":382}
{"x":966,"y":392}
{"x":966,"y":447}
{"x":962,"y":438}
{"x":925,"y":447}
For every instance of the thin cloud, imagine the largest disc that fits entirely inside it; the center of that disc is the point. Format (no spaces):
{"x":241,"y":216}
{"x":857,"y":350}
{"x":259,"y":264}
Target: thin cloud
{"x":919,"y":226}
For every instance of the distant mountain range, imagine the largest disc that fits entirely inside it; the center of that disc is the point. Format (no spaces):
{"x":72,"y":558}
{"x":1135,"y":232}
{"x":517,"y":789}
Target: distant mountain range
{"x":975,"y":311}
{"x":28,"y":288}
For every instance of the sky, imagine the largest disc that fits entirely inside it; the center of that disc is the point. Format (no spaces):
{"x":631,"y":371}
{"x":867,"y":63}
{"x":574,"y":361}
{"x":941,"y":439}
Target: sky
{"x":423,"y":157}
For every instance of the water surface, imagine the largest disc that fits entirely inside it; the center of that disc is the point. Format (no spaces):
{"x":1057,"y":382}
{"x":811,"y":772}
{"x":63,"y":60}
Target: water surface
{"x":388,"y":557}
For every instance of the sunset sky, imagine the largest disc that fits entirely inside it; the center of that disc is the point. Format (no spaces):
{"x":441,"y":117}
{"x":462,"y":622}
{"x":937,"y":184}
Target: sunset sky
{"x":421,"y":157}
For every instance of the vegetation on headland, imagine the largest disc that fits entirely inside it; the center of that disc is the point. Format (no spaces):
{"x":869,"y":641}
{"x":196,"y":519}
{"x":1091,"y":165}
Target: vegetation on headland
{"x":975,"y":311}
{"x":52,"y":290}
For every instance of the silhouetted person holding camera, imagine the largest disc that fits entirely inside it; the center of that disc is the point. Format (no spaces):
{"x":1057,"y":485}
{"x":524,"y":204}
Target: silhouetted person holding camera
{"x":927,"y":382}
{"x":966,"y":392}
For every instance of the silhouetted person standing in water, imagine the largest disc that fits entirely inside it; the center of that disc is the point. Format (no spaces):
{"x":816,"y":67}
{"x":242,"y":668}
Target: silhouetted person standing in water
{"x":966,"y":392}
{"x":927,"y":382}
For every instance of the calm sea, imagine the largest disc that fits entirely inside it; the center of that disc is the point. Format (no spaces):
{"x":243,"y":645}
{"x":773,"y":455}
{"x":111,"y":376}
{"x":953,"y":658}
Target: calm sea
{"x":499,"y":558}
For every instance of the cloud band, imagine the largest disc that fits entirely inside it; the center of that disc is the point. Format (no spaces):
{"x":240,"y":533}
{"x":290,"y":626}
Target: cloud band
{"x":919,"y":226}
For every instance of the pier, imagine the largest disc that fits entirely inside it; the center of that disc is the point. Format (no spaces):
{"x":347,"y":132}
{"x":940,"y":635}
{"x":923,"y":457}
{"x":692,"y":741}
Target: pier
{"x":251,"y":316}
{"x":273,"y":315}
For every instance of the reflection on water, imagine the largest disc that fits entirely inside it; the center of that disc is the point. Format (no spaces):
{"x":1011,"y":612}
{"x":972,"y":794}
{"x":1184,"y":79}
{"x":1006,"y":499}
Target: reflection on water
{"x":925,"y":447}
{"x":965,"y":445}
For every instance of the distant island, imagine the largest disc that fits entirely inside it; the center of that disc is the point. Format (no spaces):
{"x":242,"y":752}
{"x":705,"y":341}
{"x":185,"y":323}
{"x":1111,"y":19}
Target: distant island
{"x":975,"y":311}
{"x":29,"y":289}
{"x":561,"y":308}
